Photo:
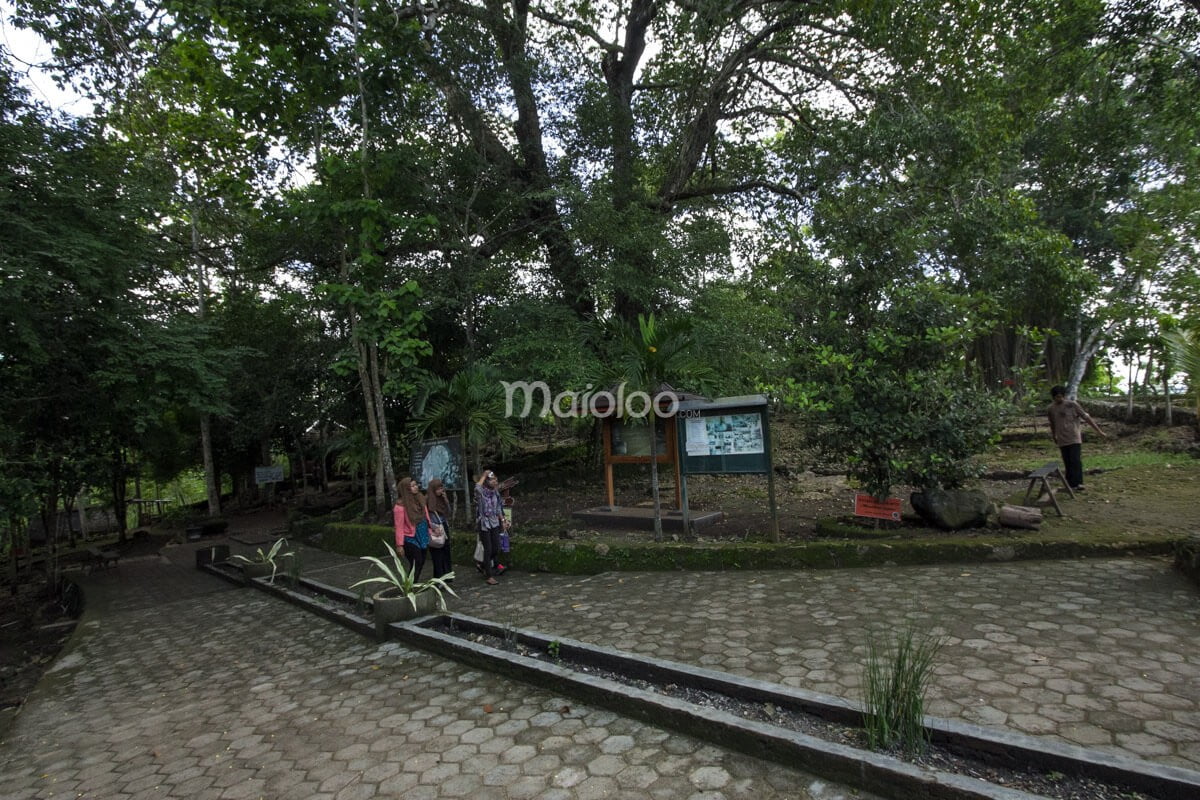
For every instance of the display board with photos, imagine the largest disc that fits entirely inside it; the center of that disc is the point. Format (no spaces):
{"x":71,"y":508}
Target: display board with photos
{"x":724,"y":439}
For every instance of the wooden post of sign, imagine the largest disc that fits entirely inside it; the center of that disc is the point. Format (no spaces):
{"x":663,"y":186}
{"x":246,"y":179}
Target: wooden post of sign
{"x":681,"y":481}
{"x":672,"y":438}
{"x":770,"y":479}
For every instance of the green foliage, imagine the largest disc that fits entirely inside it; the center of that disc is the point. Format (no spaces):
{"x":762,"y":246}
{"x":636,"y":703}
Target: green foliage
{"x":892,"y":403}
{"x":391,"y":319}
{"x":895,"y":680}
{"x":271,"y":556}
{"x":782,"y":172}
{"x":355,"y":539}
{"x":1184,"y":346}
{"x":470,"y":404}
{"x":397,"y":575}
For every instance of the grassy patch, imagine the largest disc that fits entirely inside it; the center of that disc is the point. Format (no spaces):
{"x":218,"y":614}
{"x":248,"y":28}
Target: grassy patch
{"x":1111,"y":461}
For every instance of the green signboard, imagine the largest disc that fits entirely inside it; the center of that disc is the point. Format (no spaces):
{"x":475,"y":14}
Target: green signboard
{"x":724,"y":437}
{"x":729,"y":435}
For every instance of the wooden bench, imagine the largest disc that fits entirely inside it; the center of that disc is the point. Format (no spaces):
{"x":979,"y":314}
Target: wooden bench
{"x":102,"y":559}
{"x":1044,"y":474}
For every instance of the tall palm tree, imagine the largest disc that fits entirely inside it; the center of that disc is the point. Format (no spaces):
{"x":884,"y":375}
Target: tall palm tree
{"x":652,"y":357}
{"x":1185,"y":351}
{"x":469,"y":404}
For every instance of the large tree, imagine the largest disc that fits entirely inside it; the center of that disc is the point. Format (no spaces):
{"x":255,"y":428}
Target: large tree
{"x":91,"y":353}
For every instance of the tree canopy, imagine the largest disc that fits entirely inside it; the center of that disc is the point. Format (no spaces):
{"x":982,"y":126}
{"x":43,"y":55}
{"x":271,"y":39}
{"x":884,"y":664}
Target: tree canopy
{"x":287,"y":216}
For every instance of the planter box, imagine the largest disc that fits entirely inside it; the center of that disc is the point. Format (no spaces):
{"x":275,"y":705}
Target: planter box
{"x":393,"y":607}
{"x":255,"y":570}
{"x":211,"y":555}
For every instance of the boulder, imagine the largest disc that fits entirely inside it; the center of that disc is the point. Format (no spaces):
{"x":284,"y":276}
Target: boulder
{"x":952,"y":509}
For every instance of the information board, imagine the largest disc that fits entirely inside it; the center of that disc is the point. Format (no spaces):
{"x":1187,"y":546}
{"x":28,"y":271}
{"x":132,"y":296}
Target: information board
{"x":438,"y":458}
{"x":268,"y":475}
{"x":724,"y":440}
{"x":632,"y":440}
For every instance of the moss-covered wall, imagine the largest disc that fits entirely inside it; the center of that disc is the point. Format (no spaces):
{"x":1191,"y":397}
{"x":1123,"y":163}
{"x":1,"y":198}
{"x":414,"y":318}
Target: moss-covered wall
{"x":592,"y":557}
{"x":1187,"y":557}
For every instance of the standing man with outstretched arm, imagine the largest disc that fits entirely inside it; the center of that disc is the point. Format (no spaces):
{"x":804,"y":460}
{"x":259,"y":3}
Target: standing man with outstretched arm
{"x":1065,"y":415}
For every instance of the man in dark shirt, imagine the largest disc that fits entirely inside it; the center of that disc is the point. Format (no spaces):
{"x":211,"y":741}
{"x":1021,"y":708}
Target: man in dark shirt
{"x":1065,"y":415}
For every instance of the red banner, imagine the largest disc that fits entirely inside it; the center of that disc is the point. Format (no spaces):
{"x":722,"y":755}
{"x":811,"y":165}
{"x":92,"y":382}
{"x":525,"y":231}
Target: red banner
{"x":867,"y":506}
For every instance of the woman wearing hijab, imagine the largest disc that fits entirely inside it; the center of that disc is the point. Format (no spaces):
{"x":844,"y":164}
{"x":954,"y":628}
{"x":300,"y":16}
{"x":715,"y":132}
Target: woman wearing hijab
{"x":489,"y":521}
{"x":438,"y":506}
{"x":412,"y":524}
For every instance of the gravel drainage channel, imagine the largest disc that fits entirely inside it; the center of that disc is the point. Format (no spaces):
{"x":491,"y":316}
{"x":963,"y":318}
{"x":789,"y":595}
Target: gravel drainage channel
{"x":814,"y":732}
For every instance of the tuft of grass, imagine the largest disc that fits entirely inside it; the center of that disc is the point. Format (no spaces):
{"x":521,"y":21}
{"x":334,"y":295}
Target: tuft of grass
{"x":895,"y":681}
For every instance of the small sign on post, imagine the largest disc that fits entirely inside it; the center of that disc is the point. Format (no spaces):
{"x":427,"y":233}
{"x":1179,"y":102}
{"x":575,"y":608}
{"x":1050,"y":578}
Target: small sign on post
{"x":867,"y":506}
{"x":268,"y":475}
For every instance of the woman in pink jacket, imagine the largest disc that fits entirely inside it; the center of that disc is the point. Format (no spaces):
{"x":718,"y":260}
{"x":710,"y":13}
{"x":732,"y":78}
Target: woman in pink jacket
{"x":412,"y":524}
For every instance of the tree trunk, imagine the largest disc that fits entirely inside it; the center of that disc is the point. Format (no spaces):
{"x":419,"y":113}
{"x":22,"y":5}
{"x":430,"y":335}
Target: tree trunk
{"x":366,"y":494}
{"x":372,"y":421}
{"x":468,"y":479}
{"x":211,"y":488}
{"x":81,"y":504}
{"x":531,"y":172}
{"x":658,"y":529}
{"x":1020,"y":516}
{"x":619,"y":68}
{"x":120,"y":507}
{"x":211,"y":483}
{"x":1084,"y":352}
{"x":1129,"y":389}
{"x":385,"y":452}
{"x":1167,"y":409}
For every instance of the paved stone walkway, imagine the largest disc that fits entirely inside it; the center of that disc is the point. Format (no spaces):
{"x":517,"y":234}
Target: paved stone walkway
{"x":180,"y":685}
{"x":1100,"y":653}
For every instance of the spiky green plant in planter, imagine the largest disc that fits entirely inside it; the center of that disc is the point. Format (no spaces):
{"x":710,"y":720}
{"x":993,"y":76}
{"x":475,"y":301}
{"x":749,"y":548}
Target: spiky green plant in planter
{"x":270,"y":557}
{"x":404,"y":597}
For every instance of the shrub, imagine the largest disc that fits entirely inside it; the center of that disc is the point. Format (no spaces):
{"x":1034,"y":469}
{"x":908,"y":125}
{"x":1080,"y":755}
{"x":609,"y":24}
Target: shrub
{"x":893,"y":401}
{"x":353,"y":539}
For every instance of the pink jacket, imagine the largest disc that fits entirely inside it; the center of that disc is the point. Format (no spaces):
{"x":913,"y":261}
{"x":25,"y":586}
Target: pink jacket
{"x":404,"y":528}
